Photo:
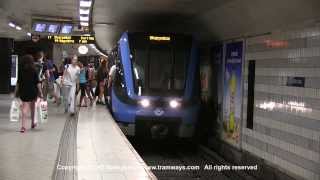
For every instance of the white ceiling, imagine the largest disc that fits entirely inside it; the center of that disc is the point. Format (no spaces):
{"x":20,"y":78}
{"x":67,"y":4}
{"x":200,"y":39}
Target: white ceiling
{"x":209,"y":19}
{"x":22,"y":11}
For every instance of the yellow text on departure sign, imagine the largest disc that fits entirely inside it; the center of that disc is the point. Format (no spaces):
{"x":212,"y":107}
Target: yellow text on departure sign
{"x":85,"y":39}
{"x":72,"y":39}
{"x":159,"y":38}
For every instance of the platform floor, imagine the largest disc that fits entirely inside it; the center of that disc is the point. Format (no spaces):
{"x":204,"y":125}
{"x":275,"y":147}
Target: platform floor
{"x":30,"y":155}
{"x":102,"y":151}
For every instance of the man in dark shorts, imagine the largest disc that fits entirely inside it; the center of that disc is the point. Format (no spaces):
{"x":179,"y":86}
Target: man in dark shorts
{"x":48,"y":81}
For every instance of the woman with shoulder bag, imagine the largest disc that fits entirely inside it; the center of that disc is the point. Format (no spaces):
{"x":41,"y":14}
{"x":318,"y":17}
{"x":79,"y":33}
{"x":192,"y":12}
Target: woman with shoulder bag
{"x":28,"y":88}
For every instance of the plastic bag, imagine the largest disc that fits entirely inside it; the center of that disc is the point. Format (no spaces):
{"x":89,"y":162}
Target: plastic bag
{"x":44,"y":111}
{"x":37,"y":112}
{"x":41,"y":112}
{"x":15,"y":111}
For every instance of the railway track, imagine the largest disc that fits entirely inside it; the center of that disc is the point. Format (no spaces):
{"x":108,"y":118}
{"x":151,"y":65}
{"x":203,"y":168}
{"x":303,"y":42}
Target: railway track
{"x":182,"y":161}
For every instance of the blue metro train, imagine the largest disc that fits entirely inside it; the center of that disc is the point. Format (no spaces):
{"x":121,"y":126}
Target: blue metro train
{"x":155,"y":91}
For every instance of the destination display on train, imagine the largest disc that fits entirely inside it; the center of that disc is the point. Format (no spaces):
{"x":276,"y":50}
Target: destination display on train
{"x":159,"y":38}
{"x":72,"y":39}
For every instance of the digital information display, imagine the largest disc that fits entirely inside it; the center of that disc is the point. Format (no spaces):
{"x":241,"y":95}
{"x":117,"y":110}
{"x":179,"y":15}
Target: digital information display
{"x":40,"y":27}
{"x":66,"y":29}
{"x":72,"y":39}
{"x":53,"y":28}
{"x":159,"y":38}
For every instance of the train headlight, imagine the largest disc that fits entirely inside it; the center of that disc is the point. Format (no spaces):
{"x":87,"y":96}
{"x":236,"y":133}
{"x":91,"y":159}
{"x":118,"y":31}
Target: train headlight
{"x":174,"y":104}
{"x":145,"y":103}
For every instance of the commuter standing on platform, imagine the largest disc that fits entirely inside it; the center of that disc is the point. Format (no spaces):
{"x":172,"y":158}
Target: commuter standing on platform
{"x":28,"y":88}
{"x":56,"y":85}
{"x":48,"y":81}
{"x":91,"y":79}
{"x":39,"y":64}
{"x":69,"y":81}
{"x":102,"y":76}
{"x":84,"y":88}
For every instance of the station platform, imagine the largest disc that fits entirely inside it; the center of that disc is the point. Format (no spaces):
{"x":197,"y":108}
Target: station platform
{"x":89,"y":146}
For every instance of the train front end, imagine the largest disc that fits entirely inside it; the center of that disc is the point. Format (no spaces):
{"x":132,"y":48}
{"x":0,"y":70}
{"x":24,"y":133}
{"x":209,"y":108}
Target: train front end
{"x":156,"y":87}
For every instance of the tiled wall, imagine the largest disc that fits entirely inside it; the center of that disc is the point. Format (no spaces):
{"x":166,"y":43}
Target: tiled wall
{"x":286,"y":129}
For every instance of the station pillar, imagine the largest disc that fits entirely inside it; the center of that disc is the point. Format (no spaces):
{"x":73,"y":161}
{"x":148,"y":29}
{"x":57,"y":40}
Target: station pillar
{"x":6,"y":50}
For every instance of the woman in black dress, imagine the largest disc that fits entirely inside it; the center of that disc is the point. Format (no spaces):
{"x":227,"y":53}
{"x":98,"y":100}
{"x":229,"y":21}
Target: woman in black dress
{"x":102,"y":76}
{"x":28,"y":89}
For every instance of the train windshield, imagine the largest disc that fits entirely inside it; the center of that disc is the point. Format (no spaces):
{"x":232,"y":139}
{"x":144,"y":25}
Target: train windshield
{"x":159,"y":68}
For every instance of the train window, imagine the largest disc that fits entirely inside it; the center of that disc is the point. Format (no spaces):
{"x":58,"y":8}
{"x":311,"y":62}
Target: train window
{"x":160,"y":61}
{"x":139,"y":69}
{"x":159,"y":68}
{"x":180,"y":68}
{"x":119,"y":83}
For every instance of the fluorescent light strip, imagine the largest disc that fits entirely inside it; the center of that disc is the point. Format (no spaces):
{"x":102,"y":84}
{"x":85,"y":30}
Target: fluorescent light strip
{"x":84,"y":18}
{"x":29,"y":34}
{"x":84,"y":11}
{"x":85,"y":3}
{"x":11,"y":24}
{"x":18,"y":28}
{"x":84,"y":23}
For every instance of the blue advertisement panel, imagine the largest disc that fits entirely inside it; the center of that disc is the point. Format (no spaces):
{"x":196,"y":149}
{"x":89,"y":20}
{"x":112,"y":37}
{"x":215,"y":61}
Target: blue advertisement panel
{"x":232,"y":93}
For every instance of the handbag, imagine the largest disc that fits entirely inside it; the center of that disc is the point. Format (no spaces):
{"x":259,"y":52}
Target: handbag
{"x":15,"y":110}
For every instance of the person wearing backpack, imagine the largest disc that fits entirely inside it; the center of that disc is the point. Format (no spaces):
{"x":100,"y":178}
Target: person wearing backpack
{"x":48,"y":81}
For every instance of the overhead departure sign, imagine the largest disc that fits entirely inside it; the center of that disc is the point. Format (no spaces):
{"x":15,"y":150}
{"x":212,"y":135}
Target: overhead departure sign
{"x":72,"y":39}
{"x":159,"y":38}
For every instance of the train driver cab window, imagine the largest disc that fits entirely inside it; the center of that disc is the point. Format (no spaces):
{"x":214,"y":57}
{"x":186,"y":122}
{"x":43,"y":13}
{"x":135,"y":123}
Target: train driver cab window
{"x":139,"y":70}
{"x":119,"y":83}
{"x":160,"y":57}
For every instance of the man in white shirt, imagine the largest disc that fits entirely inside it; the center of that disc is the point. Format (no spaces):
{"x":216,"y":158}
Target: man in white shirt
{"x":69,"y":82}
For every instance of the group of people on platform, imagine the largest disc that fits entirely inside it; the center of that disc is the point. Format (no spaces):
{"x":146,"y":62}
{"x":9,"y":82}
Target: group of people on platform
{"x":39,"y":77}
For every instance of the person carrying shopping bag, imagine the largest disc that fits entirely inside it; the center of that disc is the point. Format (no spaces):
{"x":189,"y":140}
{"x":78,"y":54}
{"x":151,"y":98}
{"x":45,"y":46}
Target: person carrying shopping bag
{"x":69,"y":82}
{"x":28,"y":88}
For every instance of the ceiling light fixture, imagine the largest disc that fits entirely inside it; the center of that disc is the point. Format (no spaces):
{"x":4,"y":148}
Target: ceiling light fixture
{"x":84,"y":11}
{"x":84,"y":18}
{"x":84,"y":23}
{"x":18,"y":28}
{"x":85,"y":3}
{"x":11,"y":24}
{"x":29,"y":34}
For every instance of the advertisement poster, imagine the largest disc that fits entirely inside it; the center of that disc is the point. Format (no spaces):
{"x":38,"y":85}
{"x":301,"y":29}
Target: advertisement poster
{"x":204,"y":79}
{"x":232,"y":93}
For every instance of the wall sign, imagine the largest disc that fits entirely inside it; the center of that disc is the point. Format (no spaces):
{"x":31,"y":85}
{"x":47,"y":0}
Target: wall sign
{"x":296,"y":81}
